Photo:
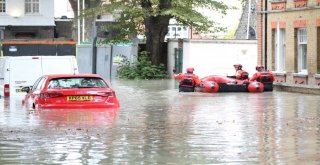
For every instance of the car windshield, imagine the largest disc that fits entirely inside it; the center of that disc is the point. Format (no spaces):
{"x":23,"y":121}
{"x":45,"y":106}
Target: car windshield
{"x":77,"y":82}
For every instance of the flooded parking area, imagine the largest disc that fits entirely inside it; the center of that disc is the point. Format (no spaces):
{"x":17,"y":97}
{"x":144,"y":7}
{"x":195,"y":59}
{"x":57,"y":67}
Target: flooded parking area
{"x":158,"y":125}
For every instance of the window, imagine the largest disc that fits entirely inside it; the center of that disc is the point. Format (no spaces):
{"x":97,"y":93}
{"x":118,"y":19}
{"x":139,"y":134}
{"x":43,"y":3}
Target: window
{"x":76,"y":82}
{"x":302,"y":50}
{"x":32,"y":6}
{"x":318,"y":50}
{"x":41,"y":84}
{"x":34,"y":86}
{"x":280,"y":48}
{"x":2,"y":6}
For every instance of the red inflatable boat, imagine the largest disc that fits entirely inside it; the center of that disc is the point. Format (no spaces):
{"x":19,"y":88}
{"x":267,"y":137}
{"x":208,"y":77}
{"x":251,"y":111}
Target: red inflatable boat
{"x":216,"y":83}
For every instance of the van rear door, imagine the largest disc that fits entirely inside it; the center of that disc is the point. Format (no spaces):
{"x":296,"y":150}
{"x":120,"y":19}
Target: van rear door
{"x":59,"y":65}
{"x":24,"y":71}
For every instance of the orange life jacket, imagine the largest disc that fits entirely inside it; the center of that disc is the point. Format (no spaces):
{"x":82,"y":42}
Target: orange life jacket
{"x":187,"y":79}
{"x":265,"y":77}
{"x":187,"y":83}
{"x":242,"y":75}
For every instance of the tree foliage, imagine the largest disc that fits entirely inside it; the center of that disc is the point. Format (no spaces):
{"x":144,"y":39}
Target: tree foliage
{"x":131,"y":15}
{"x":151,"y":19}
{"x":142,"y":69}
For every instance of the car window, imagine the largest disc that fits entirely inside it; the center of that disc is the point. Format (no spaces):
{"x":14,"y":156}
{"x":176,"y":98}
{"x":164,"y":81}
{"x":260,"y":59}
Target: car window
{"x":77,"y":82}
{"x":34,"y":86}
{"x":54,"y":84}
{"x":41,"y":83}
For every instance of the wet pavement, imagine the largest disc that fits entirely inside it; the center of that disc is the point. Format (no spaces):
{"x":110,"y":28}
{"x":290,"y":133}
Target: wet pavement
{"x":158,"y":125}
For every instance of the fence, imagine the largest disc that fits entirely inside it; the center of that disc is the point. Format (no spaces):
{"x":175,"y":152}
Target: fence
{"x":107,"y":58}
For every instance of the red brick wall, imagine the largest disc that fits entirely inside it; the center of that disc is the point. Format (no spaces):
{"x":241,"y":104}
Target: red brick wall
{"x":260,"y":32}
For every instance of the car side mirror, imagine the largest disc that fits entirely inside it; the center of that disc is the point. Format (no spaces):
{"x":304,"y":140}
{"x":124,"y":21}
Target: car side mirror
{"x":174,"y":70}
{"x":26,"y":89}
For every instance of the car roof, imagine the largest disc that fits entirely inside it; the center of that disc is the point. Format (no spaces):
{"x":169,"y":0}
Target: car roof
{"x":51,"y":76}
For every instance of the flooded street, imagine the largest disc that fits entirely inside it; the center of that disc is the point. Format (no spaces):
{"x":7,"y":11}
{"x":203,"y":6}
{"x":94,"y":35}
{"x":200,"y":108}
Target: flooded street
{"x":158,"y":125}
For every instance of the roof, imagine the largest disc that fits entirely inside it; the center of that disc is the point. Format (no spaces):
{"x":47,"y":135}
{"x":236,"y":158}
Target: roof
{"x":51,"y":76}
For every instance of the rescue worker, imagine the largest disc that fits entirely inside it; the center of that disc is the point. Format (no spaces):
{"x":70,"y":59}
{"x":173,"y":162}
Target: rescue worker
{"x":262,"y":75}
{"x":188,"y":80}
{"x":240,"y":74}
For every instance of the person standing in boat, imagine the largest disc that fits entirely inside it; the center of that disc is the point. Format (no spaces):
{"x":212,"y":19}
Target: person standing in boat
{"x":263,"y":76}
{"x":240,"y":74}
{"x":188,"y":80}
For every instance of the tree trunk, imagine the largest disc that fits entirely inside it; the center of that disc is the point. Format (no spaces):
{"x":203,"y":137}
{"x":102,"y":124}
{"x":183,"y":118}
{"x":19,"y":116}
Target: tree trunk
{"x":156,"y":29}
{"x":88,"y":21}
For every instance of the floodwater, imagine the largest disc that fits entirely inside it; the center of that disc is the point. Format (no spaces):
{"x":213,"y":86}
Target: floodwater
{"x":158,"y":125}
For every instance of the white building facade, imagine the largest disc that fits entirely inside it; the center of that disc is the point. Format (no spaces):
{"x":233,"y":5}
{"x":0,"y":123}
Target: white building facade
{"x":32,"y":19}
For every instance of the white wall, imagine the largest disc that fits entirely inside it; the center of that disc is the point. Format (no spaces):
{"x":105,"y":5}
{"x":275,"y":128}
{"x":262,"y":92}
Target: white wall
{"x":215,"y":57}
{"x":15,"y":15}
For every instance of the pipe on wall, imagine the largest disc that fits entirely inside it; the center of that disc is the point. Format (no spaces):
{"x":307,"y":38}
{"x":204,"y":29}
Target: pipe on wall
{"x":265,"y":34}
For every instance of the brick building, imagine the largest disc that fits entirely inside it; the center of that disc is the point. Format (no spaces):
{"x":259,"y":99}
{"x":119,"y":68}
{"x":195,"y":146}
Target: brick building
{"x":288,"y":34}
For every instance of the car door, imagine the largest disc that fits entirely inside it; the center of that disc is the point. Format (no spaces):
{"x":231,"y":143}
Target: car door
{"x":35,"y":91}
{"x":28,"y":99}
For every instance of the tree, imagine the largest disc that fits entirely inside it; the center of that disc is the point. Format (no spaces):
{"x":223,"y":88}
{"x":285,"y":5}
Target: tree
{"x":88,"y":22}
{"x":151,"y":18}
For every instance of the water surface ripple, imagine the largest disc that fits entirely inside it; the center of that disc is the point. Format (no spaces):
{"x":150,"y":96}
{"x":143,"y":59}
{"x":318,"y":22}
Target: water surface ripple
{"x":158,"y":125}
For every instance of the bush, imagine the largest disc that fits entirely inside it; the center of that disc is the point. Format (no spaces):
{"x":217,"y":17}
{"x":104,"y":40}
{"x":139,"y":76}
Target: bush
{"x":142,"y":69}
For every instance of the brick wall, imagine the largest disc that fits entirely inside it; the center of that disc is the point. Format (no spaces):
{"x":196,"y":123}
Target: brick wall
{"x":292,"y":17}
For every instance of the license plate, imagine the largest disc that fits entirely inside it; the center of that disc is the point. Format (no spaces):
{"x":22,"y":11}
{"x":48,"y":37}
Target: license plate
{"x":79,"y":98}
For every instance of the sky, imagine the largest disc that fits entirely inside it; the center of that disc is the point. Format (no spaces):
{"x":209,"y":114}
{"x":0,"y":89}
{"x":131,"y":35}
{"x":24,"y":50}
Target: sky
{"x":62,"y":8}
{"x":230,"y":21}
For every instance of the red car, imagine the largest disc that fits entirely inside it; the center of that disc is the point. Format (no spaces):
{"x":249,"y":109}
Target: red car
{"x":70,"y":91}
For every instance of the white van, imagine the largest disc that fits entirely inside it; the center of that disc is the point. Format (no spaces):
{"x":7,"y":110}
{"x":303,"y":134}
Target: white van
{"x":22,"y":71}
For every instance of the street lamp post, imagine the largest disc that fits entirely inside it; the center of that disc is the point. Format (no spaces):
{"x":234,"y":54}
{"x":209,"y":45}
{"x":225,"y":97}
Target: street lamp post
{"x":78,"y":7}
{"x":94,"y":46}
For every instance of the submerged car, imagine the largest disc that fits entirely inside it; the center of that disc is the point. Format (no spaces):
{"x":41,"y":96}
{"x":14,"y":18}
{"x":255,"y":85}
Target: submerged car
{"x":70,"y":91}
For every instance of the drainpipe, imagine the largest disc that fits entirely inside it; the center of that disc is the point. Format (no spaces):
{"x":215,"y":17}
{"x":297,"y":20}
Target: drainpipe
{"x":265,"y":33}
{"x":111,"y":62}
{"x":94,"y":46}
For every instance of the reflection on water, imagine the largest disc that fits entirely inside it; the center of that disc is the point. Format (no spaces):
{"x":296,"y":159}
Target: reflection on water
{"x":158,"y":125}
{"x":77,"y":117}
